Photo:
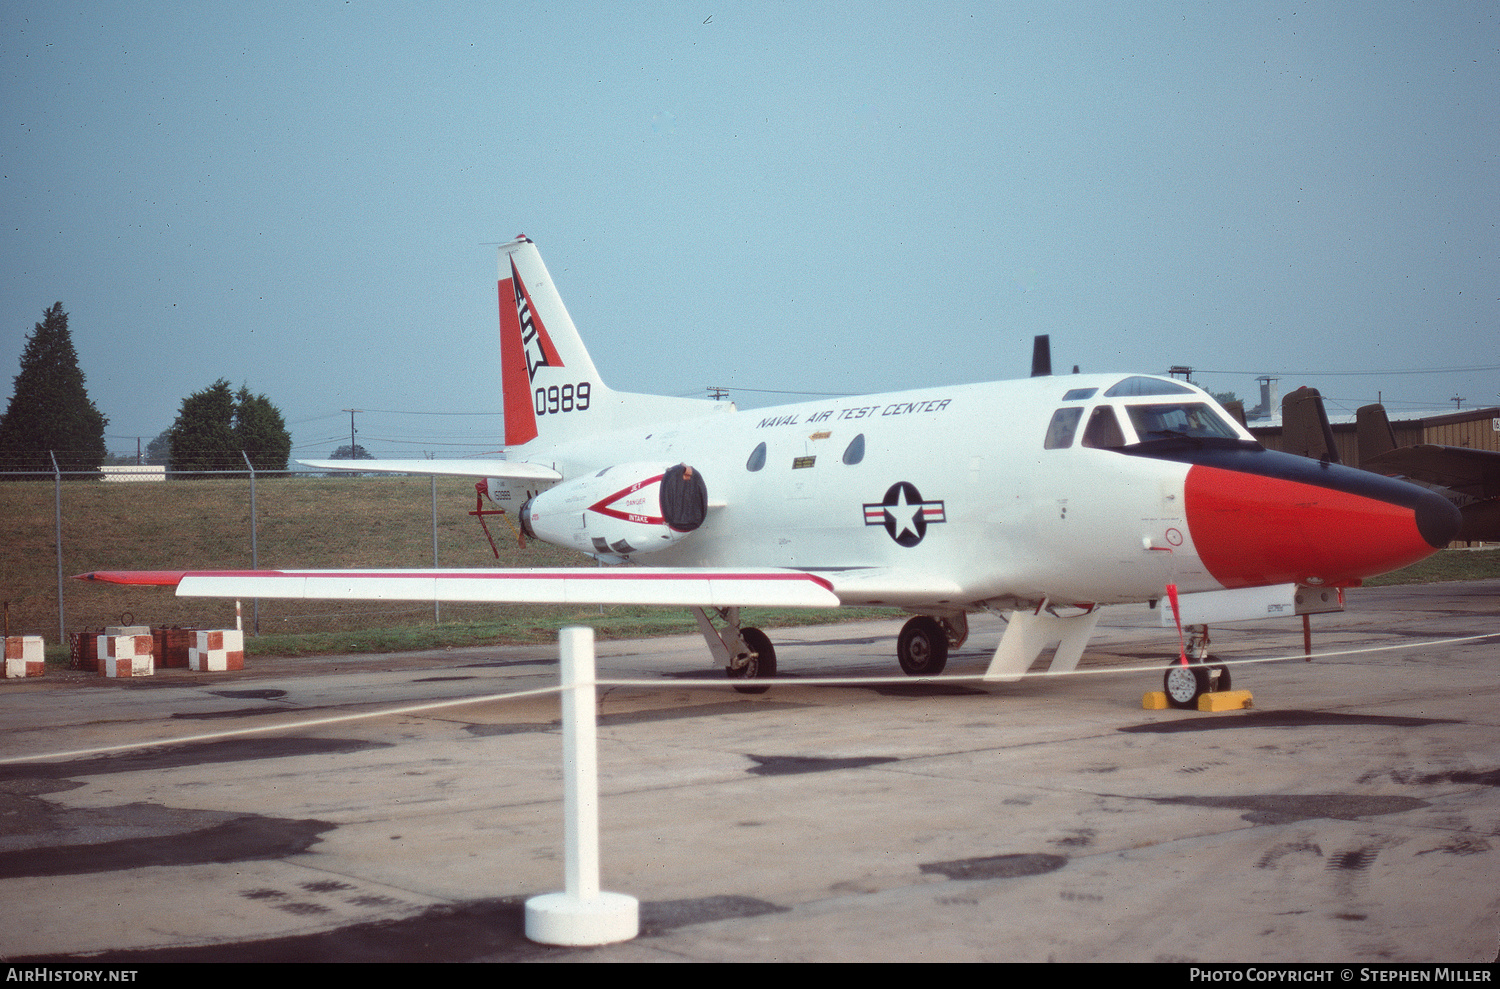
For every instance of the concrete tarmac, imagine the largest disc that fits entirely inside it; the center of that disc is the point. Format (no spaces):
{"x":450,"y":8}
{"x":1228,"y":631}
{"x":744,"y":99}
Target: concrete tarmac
{"x":1350,"y":816}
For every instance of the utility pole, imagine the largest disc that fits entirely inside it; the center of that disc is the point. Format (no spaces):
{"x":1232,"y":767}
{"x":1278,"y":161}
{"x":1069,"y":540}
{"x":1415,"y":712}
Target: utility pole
{"x":351,"y":431}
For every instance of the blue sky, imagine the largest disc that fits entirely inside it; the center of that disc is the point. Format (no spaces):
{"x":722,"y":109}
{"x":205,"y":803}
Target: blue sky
{"x":858,"y":197}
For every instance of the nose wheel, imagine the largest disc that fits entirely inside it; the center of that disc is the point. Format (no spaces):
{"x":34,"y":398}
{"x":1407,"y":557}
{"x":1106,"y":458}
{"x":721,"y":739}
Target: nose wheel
{"x":1183,"y":685}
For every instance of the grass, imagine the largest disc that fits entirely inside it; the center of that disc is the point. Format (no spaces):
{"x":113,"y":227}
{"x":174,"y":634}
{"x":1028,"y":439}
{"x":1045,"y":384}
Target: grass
{"x":1449,"y":564}
{"x":536,"y":626}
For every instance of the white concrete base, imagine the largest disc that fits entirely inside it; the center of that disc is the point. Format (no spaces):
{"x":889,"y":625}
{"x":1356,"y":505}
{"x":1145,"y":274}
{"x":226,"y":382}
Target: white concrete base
{"x":126,"y":655}
{"x":25,"y":656}
{"x":217,"y":650}
{"x":561,"y":919}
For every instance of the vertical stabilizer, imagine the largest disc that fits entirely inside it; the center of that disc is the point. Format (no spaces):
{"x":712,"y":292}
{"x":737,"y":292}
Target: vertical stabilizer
{"x":1304,"y":426}
{"x":1373,"y":430}
{"x":551,"y":388}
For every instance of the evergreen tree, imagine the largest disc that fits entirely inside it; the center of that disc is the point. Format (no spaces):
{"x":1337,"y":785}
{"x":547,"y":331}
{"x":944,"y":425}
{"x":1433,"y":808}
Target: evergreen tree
{"x":50,"y":409}
{"x":260,"y":431}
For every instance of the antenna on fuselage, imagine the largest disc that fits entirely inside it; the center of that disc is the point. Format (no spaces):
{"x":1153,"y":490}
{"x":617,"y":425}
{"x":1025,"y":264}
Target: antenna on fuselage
{"x":1041,"y":356}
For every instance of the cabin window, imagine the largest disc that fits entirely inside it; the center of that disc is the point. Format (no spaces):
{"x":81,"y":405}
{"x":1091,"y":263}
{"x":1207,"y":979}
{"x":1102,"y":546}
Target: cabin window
{"x":855,"y":451}
{"x":1179,"y":419}
{"x":1103,"y":430}
{"x":757,"y":458}
{"x":1062,"y":427}
{"x":1079,"y":394}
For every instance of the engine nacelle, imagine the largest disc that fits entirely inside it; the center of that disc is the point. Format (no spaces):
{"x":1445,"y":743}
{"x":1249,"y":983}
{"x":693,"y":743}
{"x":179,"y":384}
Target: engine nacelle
{"x":622,"y":510}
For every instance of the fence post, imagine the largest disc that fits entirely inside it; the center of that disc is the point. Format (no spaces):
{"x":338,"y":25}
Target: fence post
{"x":254,"y":545}
{"x":62,"y":634}
{"x":436,"y":613}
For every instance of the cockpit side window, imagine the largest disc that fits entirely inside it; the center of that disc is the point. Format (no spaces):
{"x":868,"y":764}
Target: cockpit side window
{"x":1178,"y":419}
{"x":1104,"y":429}
{"x":1062,"y":427}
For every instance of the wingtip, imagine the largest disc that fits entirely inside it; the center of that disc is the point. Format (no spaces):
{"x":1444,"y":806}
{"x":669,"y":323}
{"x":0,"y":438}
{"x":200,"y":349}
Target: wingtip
{"x":146,"y":578}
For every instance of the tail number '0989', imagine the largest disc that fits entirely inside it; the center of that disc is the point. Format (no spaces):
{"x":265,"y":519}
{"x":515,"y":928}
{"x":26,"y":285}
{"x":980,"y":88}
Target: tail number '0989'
{"x":568,"y":398}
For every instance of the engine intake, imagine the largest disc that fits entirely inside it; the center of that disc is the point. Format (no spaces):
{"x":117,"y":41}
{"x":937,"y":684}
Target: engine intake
{"x":623,"y":510}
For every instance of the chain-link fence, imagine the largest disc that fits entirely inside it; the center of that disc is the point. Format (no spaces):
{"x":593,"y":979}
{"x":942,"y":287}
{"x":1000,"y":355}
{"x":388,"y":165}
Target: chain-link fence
{"x":53,"y":527}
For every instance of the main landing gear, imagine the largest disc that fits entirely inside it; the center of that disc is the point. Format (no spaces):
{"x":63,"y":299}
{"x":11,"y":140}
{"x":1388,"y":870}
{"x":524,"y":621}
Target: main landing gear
{"x":922,"y":648}
{"x":758,"y":664}
{"x":745,"y":653}
{"x":748,"y":655}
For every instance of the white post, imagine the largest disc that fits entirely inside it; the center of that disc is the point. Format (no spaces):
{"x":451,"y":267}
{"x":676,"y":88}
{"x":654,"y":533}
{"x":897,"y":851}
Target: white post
{"x":581,"y":915}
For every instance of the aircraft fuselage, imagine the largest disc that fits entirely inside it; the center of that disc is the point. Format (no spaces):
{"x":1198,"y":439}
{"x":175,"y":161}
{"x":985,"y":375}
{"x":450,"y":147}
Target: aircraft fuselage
{"x":978,"y":481}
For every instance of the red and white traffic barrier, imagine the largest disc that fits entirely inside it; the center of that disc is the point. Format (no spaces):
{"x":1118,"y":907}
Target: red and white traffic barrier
{"x":127,"y":655}
{"x":24,"y":656}
{"x":217,"y":650}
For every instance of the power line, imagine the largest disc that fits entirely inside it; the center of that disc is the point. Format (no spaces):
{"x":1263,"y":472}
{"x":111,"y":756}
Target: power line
{"x":1333,"y":374}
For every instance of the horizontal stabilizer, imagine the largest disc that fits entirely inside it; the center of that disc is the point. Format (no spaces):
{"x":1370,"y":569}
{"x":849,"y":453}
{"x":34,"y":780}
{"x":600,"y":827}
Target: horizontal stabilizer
{"x":517,"y":470}
{"x":689,"y":588}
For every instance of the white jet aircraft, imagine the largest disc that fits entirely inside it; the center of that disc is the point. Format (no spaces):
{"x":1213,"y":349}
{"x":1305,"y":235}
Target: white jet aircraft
{"x":1046,"y":497}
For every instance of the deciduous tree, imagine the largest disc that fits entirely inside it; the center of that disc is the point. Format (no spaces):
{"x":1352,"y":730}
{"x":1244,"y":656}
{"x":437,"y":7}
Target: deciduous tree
{"x":215,"y":425}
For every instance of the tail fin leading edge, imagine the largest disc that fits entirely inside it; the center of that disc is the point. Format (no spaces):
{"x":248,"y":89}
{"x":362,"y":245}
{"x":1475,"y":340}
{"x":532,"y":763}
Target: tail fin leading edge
{"x":552,"y":390}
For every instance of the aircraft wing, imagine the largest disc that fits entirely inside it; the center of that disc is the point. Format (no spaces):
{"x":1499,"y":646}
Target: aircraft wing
{"x":893,"y":587}
{"x":691,"y":588}
{"x":1471,"y":472}
{"x":515,"y":470}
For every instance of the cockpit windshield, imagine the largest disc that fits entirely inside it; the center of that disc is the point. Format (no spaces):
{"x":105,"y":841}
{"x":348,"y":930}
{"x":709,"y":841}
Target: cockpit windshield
{"x":1176,"y":420}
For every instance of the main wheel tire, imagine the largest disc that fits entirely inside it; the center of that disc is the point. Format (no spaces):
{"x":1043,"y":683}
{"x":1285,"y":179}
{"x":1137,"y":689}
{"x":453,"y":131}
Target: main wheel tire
{"x":1184,"y":685}
{"x":761,"y":666}
{"x":922,"y":648}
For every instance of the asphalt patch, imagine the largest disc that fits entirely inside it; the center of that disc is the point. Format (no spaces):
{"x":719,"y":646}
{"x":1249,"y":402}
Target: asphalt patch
{"x":666,"y":915}
{"x":927,"y":690}
{"x":1465,"y":776}
{"x":692,"y":711}
{"x":245,"y":838}
{"x":1289,"y":808}
{"x":997,"y":866}
{"x":636,"y":717}
{"x":262,"y":694}
{"x":506,"y":663}
{"x":1284,"y":719}
{"x":188,"y":754}
{"x":467,"y":932}
{"x":481,"y":931}
{"x":790,"y":765}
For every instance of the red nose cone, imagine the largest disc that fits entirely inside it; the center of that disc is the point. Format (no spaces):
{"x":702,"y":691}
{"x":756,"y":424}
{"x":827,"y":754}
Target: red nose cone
{"x":1254,"y":529}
